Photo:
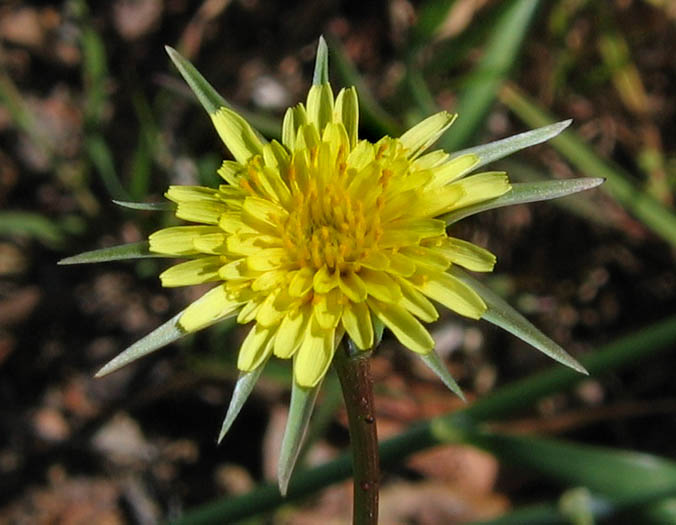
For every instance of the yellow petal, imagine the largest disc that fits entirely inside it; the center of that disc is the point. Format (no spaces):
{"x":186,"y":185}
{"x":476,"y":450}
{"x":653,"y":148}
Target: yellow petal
{"x":237,"y":134}
{"x":179,"y":240}
{"x":468,"y":255}
{"x":269,"y":280}
{"x":268,"y":259}
{"x":263,"y":214}
{"x":347,"y":112}
{"x":204,"y":211}
{"x":416,"y":303}
{"x":255,"y":348}
{"x":197,"y":271}
{"x":356,"y":320}
{"x":294,"y":118}
{"x":301,"y":282}
{"x":213,"y":306}
{"x":481,"y":187}
{"x":453,"y":294}
{"x":380,"y":285}
{"x":405,"y":232}
{"x":271,"y":311}
{"x":423,"y":135}
{"x":314,"y":355}
{"x":212,"y":243}
{"x":324,"y":281}
{"x":406,"y":328}
{"x":353,"y":287}
{"x":250,"y":309}
{"x":320,"y":105}
{"x":327,"y":309}
{"x":453,"y":169}
{"x":291,"y":331}
{"x":400,"y":265}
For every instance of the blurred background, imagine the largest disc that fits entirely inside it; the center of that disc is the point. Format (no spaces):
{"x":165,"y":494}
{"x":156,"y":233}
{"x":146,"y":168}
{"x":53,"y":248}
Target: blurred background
{"x":92,"y":110}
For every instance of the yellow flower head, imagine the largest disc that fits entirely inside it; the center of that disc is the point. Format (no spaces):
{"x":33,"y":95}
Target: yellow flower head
{"x":312,"y":239}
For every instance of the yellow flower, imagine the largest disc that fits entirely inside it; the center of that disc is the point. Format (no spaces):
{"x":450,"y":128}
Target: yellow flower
{"x":312,"y":239}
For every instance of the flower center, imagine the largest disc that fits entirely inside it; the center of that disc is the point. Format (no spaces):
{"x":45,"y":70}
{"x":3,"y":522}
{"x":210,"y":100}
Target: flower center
{"x":330,"y":223}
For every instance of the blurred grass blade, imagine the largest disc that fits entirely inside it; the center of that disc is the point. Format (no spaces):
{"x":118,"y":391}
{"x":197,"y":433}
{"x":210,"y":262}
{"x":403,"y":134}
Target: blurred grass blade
{"x":612,"y":472}
{"x":147,"y":206}
{"x":31,"y":225}
{"x":503,"y":315}
{"x":435,"y":363}
{"x":321,"y":72}
{"x":161,"y":336}
{"x":205,"y":93}
{"x":523,"y":192}
{"x":506,"y":401}
{"x":480,"y":89}
{"x":501,"y":148}
{"x":243,"y":388}
{"x":371,"y":112}
{"x":653,"y":214}
{"x":134,"y":250}
{"x":102,"y":158}
{"x":300,"y":409}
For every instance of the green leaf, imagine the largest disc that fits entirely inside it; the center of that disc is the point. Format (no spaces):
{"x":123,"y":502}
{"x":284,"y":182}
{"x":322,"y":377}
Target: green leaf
{"x":501,"y":148}
{"x":321,"y":73}
{"x":147,"y":206}
{"x":503,"y":315}
{"x":161,"y":336}
{"x":615,"y":473}
{"x":523,"y":192}
{"x":480,"y":89}
{"x":243,"y":388}
{"x":134,"y":250}
{"x":31,"y":225}
{"x":651,"y":212}
{"x":205,"y":93}
{"x":434,"y":362}
{"x":300,"y":409}
{"x":371,"y":112}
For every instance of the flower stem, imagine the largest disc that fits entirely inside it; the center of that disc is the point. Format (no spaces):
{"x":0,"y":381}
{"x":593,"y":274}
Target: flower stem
{"x":354,"y":372}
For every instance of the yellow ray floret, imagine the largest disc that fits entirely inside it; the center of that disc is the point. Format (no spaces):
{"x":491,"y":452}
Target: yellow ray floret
{"x":319,"y":236}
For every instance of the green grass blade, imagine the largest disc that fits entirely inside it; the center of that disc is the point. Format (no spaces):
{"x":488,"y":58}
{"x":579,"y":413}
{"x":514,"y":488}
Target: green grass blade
{"x":31,"y":225}
{"x":506,"y":401}
{"x":616,"y":473}
{"x":524,"y":192}
{"x":300,"y":409}
{"x":653,"y":214}
{"x":498,"y":149}
{"x":372,"y":113}
{"x":162,"y":336}
{"x":134,"y":250}
{"x":480,"y":90}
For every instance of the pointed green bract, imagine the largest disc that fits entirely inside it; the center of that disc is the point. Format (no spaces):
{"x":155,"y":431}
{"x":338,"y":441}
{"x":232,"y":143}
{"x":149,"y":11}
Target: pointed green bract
{"x":523,"y":192}
{"x":434,"y":363}
{"x":243,"y":388}
{"x":302,"y":403}
{"x":501,"y":314}
{"x":161,"y":336}
{"x":321,"y":72}
{"x":134,"y":250}
{"x":147,"y":206}
{"x":205,"y":93}
{"x":501,"y":148}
